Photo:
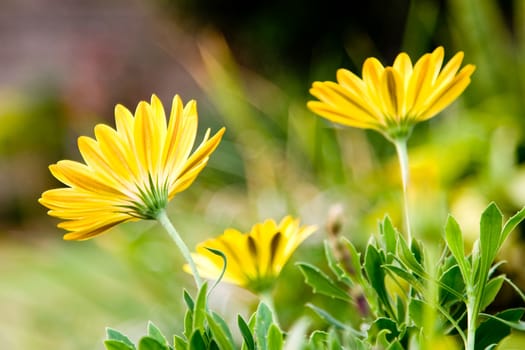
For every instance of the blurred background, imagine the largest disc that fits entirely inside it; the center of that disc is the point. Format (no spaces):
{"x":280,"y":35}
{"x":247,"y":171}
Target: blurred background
{"x":249,"y":64}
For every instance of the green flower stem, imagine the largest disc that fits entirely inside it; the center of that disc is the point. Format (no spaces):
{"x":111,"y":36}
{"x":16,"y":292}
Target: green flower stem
{"x":471,"y":318}
{"x":402,"y":154}
{"x":163,"y":219}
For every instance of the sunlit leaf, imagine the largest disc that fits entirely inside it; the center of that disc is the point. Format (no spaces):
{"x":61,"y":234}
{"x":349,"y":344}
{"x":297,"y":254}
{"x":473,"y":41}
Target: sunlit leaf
{"x":221,"y":333}
{"x":454,"y":239}
{"x":155,"y":333}
{"x":113,"y":334}
{"x":275,"y":338}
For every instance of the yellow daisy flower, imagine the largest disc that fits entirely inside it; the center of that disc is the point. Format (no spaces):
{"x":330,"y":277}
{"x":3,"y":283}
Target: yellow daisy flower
{"x":254,"y":259}
{"x":392,"y":99}
{"x":130,"y":172}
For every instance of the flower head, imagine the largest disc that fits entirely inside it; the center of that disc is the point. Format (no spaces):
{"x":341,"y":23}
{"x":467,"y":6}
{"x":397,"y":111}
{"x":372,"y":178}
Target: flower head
{"x":392,"y":99}
{"x":254,"y":259}
{"x":130,"y":172}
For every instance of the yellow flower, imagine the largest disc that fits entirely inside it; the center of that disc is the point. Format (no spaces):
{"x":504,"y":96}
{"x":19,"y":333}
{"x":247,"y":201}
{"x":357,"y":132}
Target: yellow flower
{"x":130,"y":172}
{"x":392,"y":99}
{"x":254,"y":259}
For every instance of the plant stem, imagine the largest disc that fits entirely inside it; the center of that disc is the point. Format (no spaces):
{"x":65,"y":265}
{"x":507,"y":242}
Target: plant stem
{"x":163,"y":219}
{"x":471,"y":319}
{"x":402,"y":154}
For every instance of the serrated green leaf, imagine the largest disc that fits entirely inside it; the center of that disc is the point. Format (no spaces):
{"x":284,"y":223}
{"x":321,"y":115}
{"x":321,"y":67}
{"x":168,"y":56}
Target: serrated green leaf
{"x":117,"y":345}
{"x":221,"y":333}
{"x":113,"y":334}
{"x":275,"y":338}
{"x":263,"y":320}
{"x":150,"y":343}
{"x":199,"y":312}
{"x":497,"y":327}
{"x":197,"y":341}
{"x":155,"y":332}
{"x":246,"y":333}
{"x":341,"y":274}
{"x":180,"y":343}
{"x":321,"y":283}
{"x":454,"y":240}
{"x":491,"y":290}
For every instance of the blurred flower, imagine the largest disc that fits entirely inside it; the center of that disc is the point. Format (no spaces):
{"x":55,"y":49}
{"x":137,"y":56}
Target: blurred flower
{"x":130,"y":172}
{"x":254,"y":259}
{"x":392,"y":99}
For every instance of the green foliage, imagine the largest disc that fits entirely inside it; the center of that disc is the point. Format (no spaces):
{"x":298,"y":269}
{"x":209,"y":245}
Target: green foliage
{"x":398,"y":282}
{"x":206,"y":330}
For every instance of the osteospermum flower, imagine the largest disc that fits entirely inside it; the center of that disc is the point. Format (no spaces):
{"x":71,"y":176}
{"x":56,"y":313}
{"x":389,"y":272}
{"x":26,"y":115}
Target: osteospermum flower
{"x":392,"y":99}
{"x":254,"y":259}
{"x":130,"y":172}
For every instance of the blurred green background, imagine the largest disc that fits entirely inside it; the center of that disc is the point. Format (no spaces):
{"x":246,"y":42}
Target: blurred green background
{"x":64,"y":65}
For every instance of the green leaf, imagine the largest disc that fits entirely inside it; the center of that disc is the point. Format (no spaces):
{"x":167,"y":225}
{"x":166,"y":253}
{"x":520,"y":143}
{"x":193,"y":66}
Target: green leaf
{"x":221,"y":333}
{"x":275,"y":338}
{"x":491,"y":290}
{"x":404,"y":274}
{"x":415,"y":311}
{"x":383,"y":327}
{"x":155,"y":333}
{"x":497,"y":327}
{"x":452,"y":286}
{"x":197,"y":341}
{"x":355,"y":257}
{"x":150,"y":343}
{"x":489,"y":236}
{"x":199,"y":312}
{"x":376,"y":275}
{"x":511,"y":224}
{"x":188,"y":324}
{"x":407,"y":257}
{"x":263,"y":320}
{"x":390,"y":235}
{"x":117,"y":345}
{"x":335,"y":266}
{"x":188,"y":300}
{"x":180,"y":343}
{"x":454,"y":239}
{"x":246,"y":333}
{"x":113,"y":334}
{"x":321,"y":283}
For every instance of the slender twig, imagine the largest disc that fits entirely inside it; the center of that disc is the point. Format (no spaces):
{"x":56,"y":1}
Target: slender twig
{"x":163,"y":219}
